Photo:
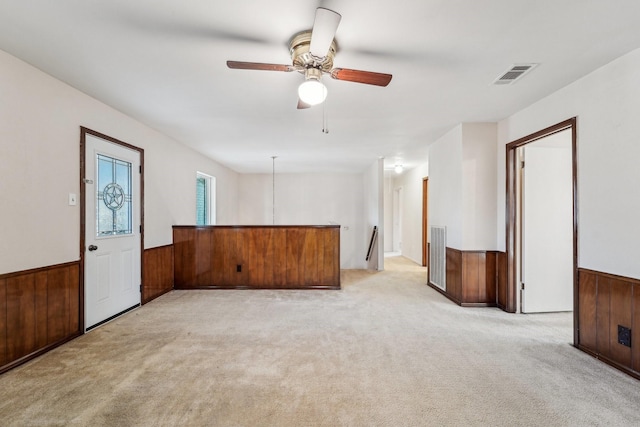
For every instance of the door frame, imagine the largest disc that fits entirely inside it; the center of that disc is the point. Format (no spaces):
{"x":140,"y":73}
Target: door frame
{"x":511,"y":211}
{"x":83,"y":148}
{"x":425,"y":221}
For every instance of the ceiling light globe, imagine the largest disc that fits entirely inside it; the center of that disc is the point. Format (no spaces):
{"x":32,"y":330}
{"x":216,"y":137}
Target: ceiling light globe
{"x":398,"y":169}
{"x":312,"y":92}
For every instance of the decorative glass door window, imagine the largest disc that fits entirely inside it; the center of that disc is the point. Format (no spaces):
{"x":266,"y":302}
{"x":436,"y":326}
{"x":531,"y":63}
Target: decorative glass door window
{"x":113,"y":207}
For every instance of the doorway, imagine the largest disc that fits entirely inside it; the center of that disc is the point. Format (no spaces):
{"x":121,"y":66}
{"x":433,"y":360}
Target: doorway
{"x":111,"y":227}
{"x":517,"y":234}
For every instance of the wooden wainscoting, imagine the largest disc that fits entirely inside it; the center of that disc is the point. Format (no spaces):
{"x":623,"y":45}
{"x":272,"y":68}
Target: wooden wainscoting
{"x":473,"y":277}
{"x":501,"y":284}
{"x":157,"y":265}
{"x":275,"y":257}
{"x":604,"y":302}
{"x":39,"y":310}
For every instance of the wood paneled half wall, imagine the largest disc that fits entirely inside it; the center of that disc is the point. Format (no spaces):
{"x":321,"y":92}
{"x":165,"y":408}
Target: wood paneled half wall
{"x":608,"y":317}
{"x":157,"y":268}
{"x":39,"y":310}
{"x":474,"y":278}
{"x":273,"y":257}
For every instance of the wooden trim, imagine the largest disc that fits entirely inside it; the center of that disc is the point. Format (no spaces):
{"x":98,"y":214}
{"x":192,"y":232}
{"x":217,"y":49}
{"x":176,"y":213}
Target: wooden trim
{"x":425,"y":222}
{"x":83,"y":132}
{"x":38,"y":269}
{"x":610,"y":276}
{"x":510,"y":210}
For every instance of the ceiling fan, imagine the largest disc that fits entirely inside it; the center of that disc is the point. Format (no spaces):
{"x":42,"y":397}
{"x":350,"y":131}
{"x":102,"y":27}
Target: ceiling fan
{"x":312,"y":54}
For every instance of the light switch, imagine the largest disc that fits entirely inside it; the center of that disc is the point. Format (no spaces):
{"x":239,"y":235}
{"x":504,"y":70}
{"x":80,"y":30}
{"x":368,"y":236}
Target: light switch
{"x":72,"y":199}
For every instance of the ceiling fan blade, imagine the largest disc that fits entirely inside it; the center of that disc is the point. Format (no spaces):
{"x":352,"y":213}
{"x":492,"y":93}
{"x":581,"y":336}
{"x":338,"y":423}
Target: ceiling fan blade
{"x":302,"y":105}
{"x":323,"y":32}
{"x":366,"y":77}
{"x":238,"y":65}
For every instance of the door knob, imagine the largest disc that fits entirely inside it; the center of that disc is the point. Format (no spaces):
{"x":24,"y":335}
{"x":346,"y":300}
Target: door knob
{"x":92,"y":248}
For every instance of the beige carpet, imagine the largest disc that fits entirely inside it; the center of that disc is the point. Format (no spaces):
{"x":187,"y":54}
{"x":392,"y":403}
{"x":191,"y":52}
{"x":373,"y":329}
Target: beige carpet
{"x":385,"y":351}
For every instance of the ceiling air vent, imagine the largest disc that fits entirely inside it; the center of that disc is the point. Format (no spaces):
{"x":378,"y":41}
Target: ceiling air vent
{"x":513,"y":74}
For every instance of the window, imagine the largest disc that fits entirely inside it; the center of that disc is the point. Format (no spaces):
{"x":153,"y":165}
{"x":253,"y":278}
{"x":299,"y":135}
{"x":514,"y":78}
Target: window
{"x":205,"y":199}
{"x":113,"y":208}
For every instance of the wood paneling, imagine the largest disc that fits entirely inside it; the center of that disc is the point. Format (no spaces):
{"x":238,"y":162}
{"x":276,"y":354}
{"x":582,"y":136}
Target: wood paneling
{"x":491,"y":278}
{"x":472,"y":276}
{"x":42,"y":325}
{"x":619,"y":314}
{"x":74,"y":299}
{"x":257,"y":257}
{"x":39,"y":309}
{"x":57,"y":304}
{"x":587,"y":310}
{"x":184,"y":256}
{"x":3,"y":322}
{"x":157,"y":264}
{"x":604,"y":302}
{"x":635,"y":329}
{"x":331,"y":261}
{"x":21,"y":316}
{"x":501,"y":280}
{"x":603,"y":299}
{"x":454,"y":274}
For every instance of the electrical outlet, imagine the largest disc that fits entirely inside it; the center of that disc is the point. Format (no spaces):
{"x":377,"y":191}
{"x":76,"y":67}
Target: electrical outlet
{"x":624,"y":336}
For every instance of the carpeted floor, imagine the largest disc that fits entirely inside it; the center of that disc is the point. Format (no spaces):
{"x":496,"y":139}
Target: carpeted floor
{"x":385,"y":351}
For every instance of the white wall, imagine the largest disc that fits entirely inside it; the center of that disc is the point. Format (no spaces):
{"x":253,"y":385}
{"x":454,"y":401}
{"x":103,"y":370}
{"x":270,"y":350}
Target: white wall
{"x":462,"y":175}
{"x":373,"y":185}
{"x":411,"y":183}
{"x":40,"y":119}
{"x":445,"y":185}
{"x":388,"y":213}
{"x":479,"y":165}
{"x":308,"y":199}
{"x":607,"y":104}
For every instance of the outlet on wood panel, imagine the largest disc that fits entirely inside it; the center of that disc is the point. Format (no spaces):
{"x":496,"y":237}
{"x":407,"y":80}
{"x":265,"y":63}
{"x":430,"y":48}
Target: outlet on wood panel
{"x":624,"y":336}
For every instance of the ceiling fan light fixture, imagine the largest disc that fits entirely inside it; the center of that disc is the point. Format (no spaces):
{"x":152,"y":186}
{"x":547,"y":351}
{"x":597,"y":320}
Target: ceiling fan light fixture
{"x":312,"y":92}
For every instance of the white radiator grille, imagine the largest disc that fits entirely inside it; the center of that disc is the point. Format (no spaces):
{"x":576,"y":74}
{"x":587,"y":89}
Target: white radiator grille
{"x":437,"y":257}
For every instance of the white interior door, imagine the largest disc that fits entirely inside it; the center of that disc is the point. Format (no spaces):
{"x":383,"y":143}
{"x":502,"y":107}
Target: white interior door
{"x":112,"y":230}
{"x":547,"y":225}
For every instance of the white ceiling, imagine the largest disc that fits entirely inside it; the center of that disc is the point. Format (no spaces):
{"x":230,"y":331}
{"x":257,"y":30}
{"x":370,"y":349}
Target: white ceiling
{"x":163,"y":63}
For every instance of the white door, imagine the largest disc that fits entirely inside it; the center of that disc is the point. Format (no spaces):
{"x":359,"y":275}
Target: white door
{"x":112,"y":230}
{"x":547,"y":225}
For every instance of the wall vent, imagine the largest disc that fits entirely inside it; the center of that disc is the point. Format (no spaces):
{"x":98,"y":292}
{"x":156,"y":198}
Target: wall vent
{"x":438,"y":257}
{"x":513,"y":74}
